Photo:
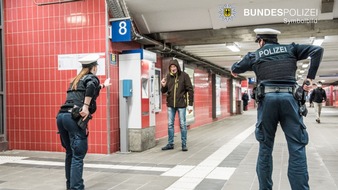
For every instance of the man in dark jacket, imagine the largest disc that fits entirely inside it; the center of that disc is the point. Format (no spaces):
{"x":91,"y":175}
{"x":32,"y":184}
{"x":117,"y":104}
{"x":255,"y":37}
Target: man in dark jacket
{"x":318,"y":96}
{"x":245,"y":99}
{"x":275,"y":67}
{"x":180,"y":96}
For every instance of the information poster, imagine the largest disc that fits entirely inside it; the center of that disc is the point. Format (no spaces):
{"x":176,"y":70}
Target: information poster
{"x":70,"y":62}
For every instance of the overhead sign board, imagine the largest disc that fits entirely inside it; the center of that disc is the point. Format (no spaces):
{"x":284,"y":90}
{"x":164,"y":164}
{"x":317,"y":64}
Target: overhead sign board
{"x":121,"y":30}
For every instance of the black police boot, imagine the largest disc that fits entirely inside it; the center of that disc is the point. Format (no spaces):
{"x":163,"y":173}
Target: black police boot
{"x":168,"y":147}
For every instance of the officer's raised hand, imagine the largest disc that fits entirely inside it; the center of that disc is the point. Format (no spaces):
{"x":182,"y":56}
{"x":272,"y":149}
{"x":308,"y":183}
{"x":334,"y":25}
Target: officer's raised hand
{"x":107,"y":82}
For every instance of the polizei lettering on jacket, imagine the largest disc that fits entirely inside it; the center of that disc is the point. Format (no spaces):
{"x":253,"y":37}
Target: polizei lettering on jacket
{"x":272,"y":51}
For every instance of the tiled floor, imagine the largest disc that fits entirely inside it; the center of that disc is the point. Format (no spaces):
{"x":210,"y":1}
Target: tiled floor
{"x":221,"y":156}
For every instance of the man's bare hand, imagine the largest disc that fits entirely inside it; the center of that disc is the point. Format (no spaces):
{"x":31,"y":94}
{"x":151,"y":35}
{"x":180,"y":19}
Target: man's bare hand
{"x":163,"y":82}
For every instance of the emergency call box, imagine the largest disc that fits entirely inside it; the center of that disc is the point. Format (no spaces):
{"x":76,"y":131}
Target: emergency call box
{"x":127,"y":86}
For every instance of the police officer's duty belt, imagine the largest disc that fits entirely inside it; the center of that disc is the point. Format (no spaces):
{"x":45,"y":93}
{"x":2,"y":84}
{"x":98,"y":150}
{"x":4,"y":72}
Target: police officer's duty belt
{"x":276,"y":89}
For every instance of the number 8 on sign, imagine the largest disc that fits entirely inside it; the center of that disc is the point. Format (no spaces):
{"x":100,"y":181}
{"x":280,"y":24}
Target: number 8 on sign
{"x":121,"y":30}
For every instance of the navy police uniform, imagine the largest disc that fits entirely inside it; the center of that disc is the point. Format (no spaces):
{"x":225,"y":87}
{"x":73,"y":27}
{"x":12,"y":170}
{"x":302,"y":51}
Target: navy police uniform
{"x":275,"y":67}
{"x":73,"y":137}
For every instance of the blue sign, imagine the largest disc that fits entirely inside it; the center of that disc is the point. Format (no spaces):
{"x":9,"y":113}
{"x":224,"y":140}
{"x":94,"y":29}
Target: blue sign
{"x":252,"y":80}
{"x":121,"y":31}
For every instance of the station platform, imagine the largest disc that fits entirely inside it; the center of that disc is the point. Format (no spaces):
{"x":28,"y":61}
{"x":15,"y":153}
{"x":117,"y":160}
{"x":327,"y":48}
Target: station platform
{"x":221,"y":156}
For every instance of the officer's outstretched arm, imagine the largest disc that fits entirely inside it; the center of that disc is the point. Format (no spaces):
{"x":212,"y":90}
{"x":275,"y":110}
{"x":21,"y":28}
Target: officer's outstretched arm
{"x":243,"y":65}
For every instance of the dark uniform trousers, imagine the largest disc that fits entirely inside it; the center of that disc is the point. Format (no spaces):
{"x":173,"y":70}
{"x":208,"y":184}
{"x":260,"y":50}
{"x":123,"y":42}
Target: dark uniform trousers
{"x":283,"y":108}
{"x":74,"y":140}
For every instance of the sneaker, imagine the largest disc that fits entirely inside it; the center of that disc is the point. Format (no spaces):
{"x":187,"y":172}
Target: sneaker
{"x":318,"y":120}
{"x":184,"y":148}
{"x":168,"y":147}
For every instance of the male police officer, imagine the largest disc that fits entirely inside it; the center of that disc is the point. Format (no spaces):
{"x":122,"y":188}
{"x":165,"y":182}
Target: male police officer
{"x":275,"y":68}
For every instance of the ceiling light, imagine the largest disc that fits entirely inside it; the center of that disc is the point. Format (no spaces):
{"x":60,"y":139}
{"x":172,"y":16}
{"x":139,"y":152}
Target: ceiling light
{"x":233,"y":47}
{"x":301,"y":71}
{"x":305,"y":65}
{"x":318,"y":41}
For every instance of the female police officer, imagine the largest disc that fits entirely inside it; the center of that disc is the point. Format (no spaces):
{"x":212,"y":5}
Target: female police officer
{"x":275,"y":68}
{"x":73,"y":117}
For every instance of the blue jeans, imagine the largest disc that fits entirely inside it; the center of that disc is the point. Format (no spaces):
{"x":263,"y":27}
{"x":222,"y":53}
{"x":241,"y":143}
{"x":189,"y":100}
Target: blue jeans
{"x":282,"y":108}
{"x":183,"y":125}
{"x":74,"y":140}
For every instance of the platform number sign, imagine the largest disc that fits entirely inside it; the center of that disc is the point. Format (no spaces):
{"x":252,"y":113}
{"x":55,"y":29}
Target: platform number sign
{"x":121,"y":31}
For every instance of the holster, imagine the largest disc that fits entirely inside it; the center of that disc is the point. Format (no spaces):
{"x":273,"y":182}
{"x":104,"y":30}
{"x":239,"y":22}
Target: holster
{"x":303,"y":110}
{"x":76,"y":112}
{"x":258,"y":93}
{"x":79,"y":120}
{"x":300,"y":95}
{"x":84,"y":123}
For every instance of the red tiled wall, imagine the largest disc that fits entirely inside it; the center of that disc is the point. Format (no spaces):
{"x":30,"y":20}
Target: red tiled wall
{"x":252,"y":103}
{"x":35,"y":88}
{"x":202,"y":97}
{"x":161,"y":117}
{"x":329,"y":95}
{"x":335,"y":96}
{"x":225,"y":97}
{"x":114,"y":132}
{"x":34,"y":36}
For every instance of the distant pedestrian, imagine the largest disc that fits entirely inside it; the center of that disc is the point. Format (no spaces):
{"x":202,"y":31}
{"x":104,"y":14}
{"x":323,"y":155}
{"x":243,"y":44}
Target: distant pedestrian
{"x":245,"y":99}
{"x":318,"y":97}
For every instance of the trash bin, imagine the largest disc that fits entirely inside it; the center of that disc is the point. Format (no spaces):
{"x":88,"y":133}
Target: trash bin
{"x":239,"y":107}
